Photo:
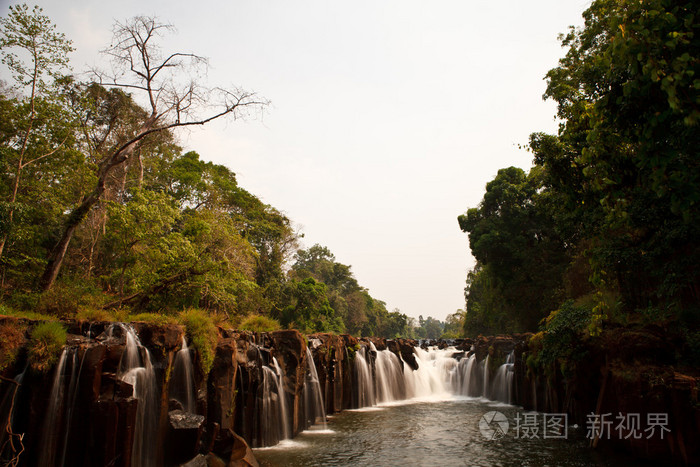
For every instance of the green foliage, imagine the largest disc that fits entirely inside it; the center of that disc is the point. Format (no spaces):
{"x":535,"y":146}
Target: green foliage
{"x":258,"y":323}
{"x":94,"y":315}
{"x":19,"y":313}
{"x":454,"y":325}
{"x":429,"y":328}
{"x":152,"y":318}
{"x":202,"y":333}
{"x":307,"y":308}
{"x":610,"y":209}
{"x":340,"y":305}
{"x":563,"y":330}
{"x":34,"y":35}
{"x":69,"y":298}
{"x":520,"y":254}
{"x":46,"y":342}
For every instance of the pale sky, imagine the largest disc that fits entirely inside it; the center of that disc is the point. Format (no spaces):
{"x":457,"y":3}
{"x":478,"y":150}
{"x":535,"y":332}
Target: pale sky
{"x":387,"y":120}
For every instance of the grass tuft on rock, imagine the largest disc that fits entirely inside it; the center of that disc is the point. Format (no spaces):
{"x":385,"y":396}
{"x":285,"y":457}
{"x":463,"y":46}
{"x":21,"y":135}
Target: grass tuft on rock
{"x":257,"y":323}
{"x":46,"y":342}
{"x":202,"y":333}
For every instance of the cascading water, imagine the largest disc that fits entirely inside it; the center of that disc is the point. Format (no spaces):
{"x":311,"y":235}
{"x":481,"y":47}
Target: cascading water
{"x":464,"y":381}
{"x":50,"y":434}
{"x":274,"y":416}
{"x":434,"y":374}
{"x":315,"y":411}
{"x":365,"y":383}
{"x":282,"y":399}
{"x":389,"y":382}
{"x":182,"y":383}
{"x":486,"y":388}
{"x":71,"y":399}
{"x":439,"y":375}
{"x":137,"y":370}
{"x":502,"y":389}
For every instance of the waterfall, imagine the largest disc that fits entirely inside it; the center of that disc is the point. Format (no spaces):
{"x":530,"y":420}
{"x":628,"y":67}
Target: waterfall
{"x":440,"y":373}
{"x":71,"y":399}
{"x":485,"y":391}
{"x":465,"y":379}
{"x":312,"y":393}
{"x":283,"y":399}
{"x":52,"y":422}
{"x":434,"y":373}
{"x":60,"y":409}
{"x":503,"y":383}
{"x":389,"y":381}
{"x":137,"y":370}
{"x":182,"y":384}
{"x":273,"y":417}
{"x":365,"y":384}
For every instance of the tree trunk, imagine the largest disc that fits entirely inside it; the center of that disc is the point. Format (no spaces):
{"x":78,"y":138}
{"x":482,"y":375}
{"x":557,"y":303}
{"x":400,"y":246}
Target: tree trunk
{"x":55,"y":260}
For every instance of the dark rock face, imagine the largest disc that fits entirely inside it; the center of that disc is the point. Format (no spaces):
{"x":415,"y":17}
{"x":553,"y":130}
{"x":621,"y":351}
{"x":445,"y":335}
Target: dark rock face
{"x":183,"y":437}
{"x":221,"y":385}
{"x":403,"y":348}
{"x":289,"y":348}
{"x":626,"y":374}
{"x":332,"y":364}
{"x":620,"y":376}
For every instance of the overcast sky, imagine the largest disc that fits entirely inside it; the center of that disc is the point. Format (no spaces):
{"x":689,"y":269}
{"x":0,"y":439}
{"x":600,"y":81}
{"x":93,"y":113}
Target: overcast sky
{"x":387,"y":120}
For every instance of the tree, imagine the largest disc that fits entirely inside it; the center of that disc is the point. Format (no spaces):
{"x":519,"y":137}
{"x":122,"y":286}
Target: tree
{"x":306,"y":308}
{"x":520,"y":253}
{"x":454,"y":324}
{"x":33,"y":35}
{"x":174,"y":100}
{"x":627,"y":93}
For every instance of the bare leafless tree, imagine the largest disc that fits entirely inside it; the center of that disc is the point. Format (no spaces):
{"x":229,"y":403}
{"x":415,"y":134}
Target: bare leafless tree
{"x":170,"y":84}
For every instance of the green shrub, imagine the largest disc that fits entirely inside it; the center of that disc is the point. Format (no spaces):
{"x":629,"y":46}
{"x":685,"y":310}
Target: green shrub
{"x":7,"y":311}
{"x":12,"y":339}
{"x":45,"y":345}
{"x":65,"y":299}
{"x":153,"y":318}
{"x":258,"y":323}
{"x":94,"y":314}
{"x":560,"y":340}
{"x":203,"y":334}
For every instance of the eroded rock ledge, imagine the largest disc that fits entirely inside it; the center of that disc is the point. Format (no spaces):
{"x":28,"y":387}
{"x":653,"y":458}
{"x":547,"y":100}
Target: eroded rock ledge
{"x":96,"y":421}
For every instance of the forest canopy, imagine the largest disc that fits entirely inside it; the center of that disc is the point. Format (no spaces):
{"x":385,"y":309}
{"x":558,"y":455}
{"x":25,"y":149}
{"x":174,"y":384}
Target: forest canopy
{"x":103,"y":215}
{"x":604,"y":226}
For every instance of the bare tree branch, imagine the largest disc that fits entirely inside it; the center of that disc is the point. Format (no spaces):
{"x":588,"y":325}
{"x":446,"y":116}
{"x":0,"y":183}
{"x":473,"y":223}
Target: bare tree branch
{"x":175,"y":99}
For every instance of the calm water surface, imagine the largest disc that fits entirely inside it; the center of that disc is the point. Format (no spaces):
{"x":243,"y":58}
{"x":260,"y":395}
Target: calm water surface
{"x":444,"y":433}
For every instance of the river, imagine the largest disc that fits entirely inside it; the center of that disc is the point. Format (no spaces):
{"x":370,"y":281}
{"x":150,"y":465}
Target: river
{"x":443,"y":431}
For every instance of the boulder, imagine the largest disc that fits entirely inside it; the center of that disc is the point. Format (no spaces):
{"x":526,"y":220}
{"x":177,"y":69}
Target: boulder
{"x":241,"y":455}
{"x":184,"y":435}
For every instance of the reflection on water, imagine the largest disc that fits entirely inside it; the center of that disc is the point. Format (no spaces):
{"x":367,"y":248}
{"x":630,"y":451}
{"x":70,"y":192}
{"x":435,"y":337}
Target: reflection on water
{"x":444,"y":433}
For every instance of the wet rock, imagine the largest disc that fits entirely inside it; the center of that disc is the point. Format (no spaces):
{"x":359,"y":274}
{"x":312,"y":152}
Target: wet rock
{"x":160,"y":339}
{"x":330,"y":357}
{"x":379,"y":342}
{"x":214,"y":461}
{"x":112,"y":432}
{"x":199,"y":461}
{"x":184,"y":435}
{"x":289,"y":347}
{"x":221,"y":384}
{"x":241,"y":455}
